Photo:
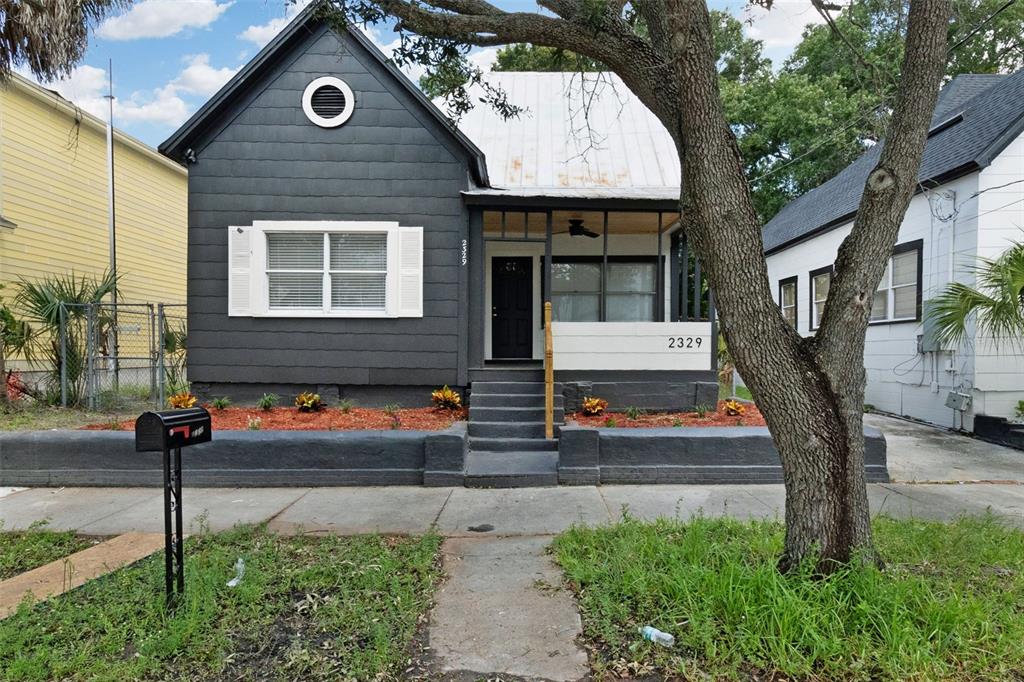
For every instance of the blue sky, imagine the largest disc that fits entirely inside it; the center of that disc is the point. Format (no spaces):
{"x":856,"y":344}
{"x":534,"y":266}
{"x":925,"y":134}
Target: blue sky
{"x":170,"y":56}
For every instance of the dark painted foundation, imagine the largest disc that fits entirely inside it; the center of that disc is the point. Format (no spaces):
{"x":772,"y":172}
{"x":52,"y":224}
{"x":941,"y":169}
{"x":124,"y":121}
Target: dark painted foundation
{"x":361,"y":396}
{"x":655,"y":391}
{"x":238,"y":458}
{"x":999,"y":430}
{"x":590,"y":456}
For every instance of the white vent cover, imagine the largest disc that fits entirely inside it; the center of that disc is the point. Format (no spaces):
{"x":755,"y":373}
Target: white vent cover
{"x":328,"y":102}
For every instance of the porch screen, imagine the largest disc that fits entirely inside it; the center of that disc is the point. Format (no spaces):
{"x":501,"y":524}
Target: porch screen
{"x":629,"y":291}
{"x":576,"y":292}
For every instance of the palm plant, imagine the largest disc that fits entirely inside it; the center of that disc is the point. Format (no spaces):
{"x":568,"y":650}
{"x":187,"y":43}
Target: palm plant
{"x":60,"y":303}
{"x":996,"y":306}
{"x":48,"y":37}
{"x":15,"y":337}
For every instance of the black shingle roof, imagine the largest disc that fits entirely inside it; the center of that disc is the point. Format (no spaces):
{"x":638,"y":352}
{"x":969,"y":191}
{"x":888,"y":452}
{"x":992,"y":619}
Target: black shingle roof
{"x":992,"y":107}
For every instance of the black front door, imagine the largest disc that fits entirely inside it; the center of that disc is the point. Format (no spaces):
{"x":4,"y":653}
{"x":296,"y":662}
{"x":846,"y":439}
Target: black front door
{"x":512,"y":308}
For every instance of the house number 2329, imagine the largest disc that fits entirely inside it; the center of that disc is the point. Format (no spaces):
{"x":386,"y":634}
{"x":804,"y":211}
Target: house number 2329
{"x":684,"y":341}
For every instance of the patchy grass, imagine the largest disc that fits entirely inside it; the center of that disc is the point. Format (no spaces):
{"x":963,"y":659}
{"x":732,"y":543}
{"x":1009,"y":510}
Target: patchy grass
{"x":725,"y":392}
{"x":23,"y":551}
{"x":307,"y":608}
{"x":37,"y":417}
{"x":949,"y":606}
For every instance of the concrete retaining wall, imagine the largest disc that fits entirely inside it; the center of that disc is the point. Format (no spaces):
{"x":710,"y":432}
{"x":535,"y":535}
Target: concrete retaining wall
{"x":238,"y":458}
{"x":741,"y":454}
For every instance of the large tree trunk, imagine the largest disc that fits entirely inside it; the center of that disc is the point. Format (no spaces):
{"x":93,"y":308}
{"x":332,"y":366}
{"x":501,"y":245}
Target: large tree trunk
{"x":810,"y":390}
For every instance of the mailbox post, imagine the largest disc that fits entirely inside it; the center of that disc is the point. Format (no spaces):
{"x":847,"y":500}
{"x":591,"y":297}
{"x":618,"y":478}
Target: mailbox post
{"x":165,"y":432}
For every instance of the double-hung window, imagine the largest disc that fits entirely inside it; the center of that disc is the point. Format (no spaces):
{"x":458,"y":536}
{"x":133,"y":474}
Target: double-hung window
{"x":330,"y":271}
{"x":325,"y":269}
{"x":821,"y":280}
{"x":898,"y":297}
{"x":787,"y":299}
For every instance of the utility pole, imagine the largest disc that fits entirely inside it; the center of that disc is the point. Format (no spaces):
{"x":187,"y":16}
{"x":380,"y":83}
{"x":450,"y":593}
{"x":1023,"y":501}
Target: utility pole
{"x":111,"y":215}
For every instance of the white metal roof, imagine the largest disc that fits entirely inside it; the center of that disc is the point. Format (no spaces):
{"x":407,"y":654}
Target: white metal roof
{"x":582,"y":135}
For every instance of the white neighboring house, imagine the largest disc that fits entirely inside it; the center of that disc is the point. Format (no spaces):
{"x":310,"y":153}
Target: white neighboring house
{"x":971,"y":205}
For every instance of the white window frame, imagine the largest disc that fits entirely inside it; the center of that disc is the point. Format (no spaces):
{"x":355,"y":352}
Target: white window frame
{"x":813,"y":320}
{"x":914,"y":247}
{"x":334,"y":121}
{"x":260,"y":282}
{"x":795,"y":307}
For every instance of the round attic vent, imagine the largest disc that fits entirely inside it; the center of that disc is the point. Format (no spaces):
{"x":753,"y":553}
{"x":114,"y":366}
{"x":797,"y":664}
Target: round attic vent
{"x":328,"y":102}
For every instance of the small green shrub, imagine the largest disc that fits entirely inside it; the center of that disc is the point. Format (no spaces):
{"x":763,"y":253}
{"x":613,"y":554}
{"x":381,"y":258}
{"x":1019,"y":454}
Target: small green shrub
{"x":677,"y":422}
{"x":868,"y":407}
{"x":114,"y":425}
{"x":309,"y":402}
{"x":254,"y":423}
{"x":346,"y":405}
{"x":391,"y":409}
{"x":633,"y":412}
{"x":701,"y":410}
{"x":1019,"y":414}
{"x":610,"y":422}
{"x":221,"y":403}
{"x":267,"y":402}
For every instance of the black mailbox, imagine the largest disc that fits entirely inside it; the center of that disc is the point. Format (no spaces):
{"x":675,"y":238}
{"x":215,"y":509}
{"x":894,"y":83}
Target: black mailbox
{"x":158,"y":431}
{"x":169,"y":432}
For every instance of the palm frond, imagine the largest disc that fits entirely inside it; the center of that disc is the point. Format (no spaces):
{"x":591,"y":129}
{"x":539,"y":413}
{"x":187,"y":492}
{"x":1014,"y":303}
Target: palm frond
{"x":996,"y":306}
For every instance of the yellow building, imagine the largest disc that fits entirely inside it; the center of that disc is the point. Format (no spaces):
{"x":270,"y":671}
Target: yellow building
{"x":54,"y":199}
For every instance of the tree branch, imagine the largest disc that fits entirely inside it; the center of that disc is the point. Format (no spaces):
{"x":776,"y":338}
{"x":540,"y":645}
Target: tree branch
{"x":890,"y":186}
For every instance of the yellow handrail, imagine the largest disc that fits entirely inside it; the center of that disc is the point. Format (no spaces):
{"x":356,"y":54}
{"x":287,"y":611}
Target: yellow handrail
{"x":549,"y":375}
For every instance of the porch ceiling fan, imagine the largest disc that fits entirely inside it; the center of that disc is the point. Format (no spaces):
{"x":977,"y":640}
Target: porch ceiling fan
{"x":576,"y":229}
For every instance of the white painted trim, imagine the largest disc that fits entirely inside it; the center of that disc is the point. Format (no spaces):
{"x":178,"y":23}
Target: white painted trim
{"x":654,"y":346}
{"x":259,"y":280}
{"x":307,"y":101}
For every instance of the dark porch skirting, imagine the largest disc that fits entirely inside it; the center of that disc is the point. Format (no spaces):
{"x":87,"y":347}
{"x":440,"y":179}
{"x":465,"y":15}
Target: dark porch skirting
{"x":663,"y":391}
{"x":742,"y":454}
{"x":238,"y":458}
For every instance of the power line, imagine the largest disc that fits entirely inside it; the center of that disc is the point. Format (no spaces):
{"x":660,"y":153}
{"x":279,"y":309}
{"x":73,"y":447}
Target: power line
{"x":980,"y":26}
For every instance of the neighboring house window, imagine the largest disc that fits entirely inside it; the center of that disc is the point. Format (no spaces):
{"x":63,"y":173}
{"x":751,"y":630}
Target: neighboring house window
{"x":787,"y":299}
{"x":325,"y":269}
{"x":821,"y":280}
{"x":629,"y":292}
{"x":898,"y":297}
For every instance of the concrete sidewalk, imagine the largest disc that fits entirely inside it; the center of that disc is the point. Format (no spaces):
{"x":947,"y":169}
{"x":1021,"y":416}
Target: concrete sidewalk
{"x":409,"y":510}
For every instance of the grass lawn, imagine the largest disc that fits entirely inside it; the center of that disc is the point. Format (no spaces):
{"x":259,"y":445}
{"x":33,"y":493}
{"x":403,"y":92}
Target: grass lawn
{"x":949,"y":605}
{"x":45,"y":417}
{"x":725,"y":392}
{"x":23,"y":551}
{"x":307,"y":608}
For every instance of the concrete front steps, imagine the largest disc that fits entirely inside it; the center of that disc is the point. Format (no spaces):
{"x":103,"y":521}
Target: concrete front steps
{"x":507,"y":448}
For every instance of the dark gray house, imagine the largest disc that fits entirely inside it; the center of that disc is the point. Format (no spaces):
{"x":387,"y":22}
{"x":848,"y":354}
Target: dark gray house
{"x":345,"y":236}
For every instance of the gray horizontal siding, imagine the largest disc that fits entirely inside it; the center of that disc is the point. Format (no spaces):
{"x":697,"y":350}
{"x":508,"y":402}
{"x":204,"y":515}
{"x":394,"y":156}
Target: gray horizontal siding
{"x":265,"y":161}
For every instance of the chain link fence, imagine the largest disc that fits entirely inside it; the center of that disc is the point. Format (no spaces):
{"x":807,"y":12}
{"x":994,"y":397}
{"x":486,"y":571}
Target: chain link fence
{"x":118,"y":356}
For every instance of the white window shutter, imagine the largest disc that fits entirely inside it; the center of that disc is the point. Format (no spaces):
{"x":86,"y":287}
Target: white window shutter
{"x":240,"y":289}
{"x":410,"y":272}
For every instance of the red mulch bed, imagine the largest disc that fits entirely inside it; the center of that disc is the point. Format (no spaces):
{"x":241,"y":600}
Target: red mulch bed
{"x":328,"y":419}
{"x":751,"y":417}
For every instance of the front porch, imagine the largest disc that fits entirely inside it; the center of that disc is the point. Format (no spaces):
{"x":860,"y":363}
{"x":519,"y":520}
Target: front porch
{"x":632,"y":315}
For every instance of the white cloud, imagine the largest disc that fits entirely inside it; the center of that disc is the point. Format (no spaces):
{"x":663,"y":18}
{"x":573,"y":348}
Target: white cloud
{"x":413,"y":71}
{"x":484,"y":57}
{"x":261,"y":34}
{"x":161,"y":18}
{"x":168,"y":105}
{"x":199,"y":78}
{"x":781,"y":27}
